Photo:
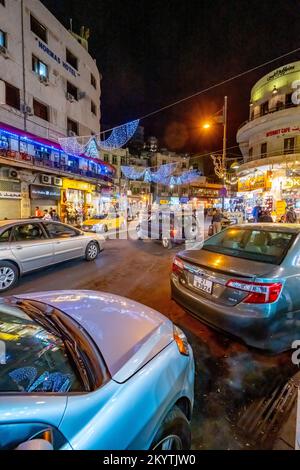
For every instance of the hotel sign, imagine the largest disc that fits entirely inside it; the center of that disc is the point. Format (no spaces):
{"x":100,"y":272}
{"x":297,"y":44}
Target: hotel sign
{"x":280,"y":72}
{"x":57,"y":59}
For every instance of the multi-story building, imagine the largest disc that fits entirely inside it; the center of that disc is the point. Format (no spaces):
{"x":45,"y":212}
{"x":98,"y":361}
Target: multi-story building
{"x":270,"y":143}
{"x":49,"y":88}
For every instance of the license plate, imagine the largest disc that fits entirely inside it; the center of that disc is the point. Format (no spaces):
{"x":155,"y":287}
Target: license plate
{"x":203,"y":284}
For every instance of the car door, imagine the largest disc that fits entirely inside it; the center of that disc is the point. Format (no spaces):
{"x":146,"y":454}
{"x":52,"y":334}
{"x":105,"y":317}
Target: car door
{"x":31,"y":246}
{"x":68,"y":241}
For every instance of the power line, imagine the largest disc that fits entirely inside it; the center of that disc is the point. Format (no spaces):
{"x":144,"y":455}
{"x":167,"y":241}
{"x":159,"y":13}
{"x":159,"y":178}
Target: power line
{"x":211,"y":87}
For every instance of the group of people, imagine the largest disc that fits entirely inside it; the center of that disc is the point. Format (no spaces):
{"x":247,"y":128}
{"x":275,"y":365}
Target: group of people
{"x":47,"y":215}
{"x":263,"y":215}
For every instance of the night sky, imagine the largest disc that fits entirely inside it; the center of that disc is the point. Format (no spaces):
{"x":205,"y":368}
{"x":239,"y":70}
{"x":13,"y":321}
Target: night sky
{"x":154,"y":52}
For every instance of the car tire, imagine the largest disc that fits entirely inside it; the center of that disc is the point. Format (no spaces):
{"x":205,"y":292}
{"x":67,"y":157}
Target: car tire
{"x":92,"y":251}
{"x":9,"y":275}
{"x":166,"y":243}
{"x":174,"y":432}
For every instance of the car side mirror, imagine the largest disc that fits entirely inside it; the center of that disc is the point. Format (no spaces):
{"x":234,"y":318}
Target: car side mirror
{"x":35,"y":444}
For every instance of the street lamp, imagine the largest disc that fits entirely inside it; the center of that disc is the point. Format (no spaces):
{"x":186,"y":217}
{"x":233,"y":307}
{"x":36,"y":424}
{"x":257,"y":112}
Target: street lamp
{"x":220,"y":161}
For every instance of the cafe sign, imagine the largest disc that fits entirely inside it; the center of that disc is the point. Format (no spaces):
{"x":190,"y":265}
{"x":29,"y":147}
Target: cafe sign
{"x":283,"y":130}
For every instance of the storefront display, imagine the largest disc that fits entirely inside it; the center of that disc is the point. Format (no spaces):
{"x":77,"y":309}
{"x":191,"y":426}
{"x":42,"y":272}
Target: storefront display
{"x":45,"y":197}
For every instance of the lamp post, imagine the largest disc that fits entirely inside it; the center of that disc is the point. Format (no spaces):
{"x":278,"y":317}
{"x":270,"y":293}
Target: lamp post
{"x":220,"y":161}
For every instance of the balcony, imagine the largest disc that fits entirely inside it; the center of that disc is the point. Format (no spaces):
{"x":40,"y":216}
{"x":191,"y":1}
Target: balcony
{"x":26,"y":161}
{"x":278,"y":107}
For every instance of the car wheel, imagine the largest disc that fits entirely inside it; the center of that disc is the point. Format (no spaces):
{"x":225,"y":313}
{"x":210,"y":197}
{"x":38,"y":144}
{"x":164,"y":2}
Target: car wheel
{"x":9,"y":275}
{"x":166,"y":243}
{"x":174,"y":433}
{"x":92,"y":251}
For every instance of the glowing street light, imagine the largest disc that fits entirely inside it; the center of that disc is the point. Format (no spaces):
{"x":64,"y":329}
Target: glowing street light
{"x":206,"y":125}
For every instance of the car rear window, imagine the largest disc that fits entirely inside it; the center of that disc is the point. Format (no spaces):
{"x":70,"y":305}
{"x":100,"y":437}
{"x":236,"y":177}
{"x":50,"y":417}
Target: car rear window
{"x":254,"y":244}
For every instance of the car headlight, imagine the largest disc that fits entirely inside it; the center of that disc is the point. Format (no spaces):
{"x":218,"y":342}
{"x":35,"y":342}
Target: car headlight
{"x":181,"y":341}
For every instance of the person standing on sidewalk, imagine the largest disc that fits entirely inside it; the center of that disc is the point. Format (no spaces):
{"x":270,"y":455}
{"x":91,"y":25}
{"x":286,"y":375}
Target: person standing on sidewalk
{"x":216,"y":221}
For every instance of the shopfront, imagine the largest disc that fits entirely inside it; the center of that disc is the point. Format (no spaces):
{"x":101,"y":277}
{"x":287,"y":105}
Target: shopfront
{"x":10,"y":199}
{"x":78,"y":200}
{"x":45,"y":197}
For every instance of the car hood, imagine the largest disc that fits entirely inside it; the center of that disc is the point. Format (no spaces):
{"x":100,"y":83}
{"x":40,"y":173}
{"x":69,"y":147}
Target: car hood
{"x":94,"y":221}
{"x":127,"y":333}
{"x":227,"y":264}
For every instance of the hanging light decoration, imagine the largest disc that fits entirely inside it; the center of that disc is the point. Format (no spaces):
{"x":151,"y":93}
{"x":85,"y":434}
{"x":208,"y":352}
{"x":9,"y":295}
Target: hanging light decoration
{"x":132,"y":173}
{"x":118,"y":138}
{"x":91,"y":149}
{"x":162,"y":176}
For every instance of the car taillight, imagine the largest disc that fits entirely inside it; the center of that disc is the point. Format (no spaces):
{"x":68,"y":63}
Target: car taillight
{"x":181,"y":341}
{"x":178,"y":266}
{"x":258,"y":292}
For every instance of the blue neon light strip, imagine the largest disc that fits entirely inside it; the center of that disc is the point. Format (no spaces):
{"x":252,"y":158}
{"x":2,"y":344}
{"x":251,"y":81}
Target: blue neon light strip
{"x":45,"y":146}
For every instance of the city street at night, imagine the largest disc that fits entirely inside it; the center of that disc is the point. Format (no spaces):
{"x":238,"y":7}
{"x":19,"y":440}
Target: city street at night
{"x":229,"y":375}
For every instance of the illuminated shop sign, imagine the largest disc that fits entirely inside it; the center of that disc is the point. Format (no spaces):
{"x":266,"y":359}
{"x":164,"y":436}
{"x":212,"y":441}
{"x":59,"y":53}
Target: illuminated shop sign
{"x":283,"y":130}
{"x":44,"y":192}
{"x":291,"y":183}
{"x":261,"y":181}
{"x":57,"y":59}
{"x":279,"y":72}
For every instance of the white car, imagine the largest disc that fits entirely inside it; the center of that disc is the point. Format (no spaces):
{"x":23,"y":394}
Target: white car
{"x":27,"y":245}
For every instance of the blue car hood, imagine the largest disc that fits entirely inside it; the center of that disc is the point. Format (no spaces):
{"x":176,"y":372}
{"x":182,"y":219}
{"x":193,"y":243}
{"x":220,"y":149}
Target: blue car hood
{"x":127,"y":333}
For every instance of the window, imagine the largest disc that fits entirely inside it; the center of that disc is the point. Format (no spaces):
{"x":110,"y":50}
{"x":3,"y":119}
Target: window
{"x":264,"y":108}
{"x":37,"y":359}
{"x":72,"y":90}
{"x":38,"y":29}
{"x":71,"y":59}
{"x":93,"y":108}
{"x":289,"y":145}
{"x":40,"y":110}
{"x":288,"y":99}
{"x":5,"y":236}
{"x":260,"y":245}
{"x":263,"y":150}
{"x":106,"y":158}
{"x":3,"y":39}
{"x":39,"y":67}
{"x":164,"y":162}
{"x":115,"y":160}
{"x":12,"y":96}
{"x":93,"y":81}
{"x":250,"y":153}
{"x":123,"y":160}
{"x":72,"y":126}
{"x":61,"y":231}
{"x":183,"y":165}
{"x":28,"y":232}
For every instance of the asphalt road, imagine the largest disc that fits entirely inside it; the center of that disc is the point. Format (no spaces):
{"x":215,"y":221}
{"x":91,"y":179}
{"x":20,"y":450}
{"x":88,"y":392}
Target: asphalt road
{"x":229,"y":376}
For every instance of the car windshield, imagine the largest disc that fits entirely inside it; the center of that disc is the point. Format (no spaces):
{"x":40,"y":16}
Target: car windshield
{"x":33,"y":358}
{"x":253,"y":244}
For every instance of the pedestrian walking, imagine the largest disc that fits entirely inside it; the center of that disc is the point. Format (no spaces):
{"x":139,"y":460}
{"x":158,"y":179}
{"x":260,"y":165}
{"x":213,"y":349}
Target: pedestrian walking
{"x":38,"y":212}
{"x":291,"y":216}
{"x":265,"y":217}
{"x":46,"y":215}
{"x":216,"y":221}
{"x":55,"y":216}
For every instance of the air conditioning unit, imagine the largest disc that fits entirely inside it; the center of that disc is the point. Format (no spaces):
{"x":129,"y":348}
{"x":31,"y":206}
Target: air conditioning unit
{"x":44,"y":80}
{"x":13,"y":173}
{"x":45,"y":179}
{"x":81,"y":95}
{"x":26,"y":109}
{"x":3,"y":52}
{"x":57,"y":181}
{"x":70,"y":97}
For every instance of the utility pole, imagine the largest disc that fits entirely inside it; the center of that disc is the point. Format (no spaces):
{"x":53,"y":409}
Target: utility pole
{"x":224,"y":146}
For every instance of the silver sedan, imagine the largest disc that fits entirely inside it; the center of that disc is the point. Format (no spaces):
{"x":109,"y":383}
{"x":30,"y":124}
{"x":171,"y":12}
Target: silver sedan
{"x":27,"y":245}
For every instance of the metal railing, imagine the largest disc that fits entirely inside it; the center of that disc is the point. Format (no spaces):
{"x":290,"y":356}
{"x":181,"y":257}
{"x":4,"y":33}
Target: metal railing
{"x":44,"y":162}
{"x":263,"y":113}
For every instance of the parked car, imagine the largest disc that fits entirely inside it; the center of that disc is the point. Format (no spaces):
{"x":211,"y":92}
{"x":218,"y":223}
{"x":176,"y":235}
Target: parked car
{"x":245,"y":281}
{"x":103,"y":223}
{"x":168,"y":226}
{"x":27,"y":245}
{"x":91,"y":370}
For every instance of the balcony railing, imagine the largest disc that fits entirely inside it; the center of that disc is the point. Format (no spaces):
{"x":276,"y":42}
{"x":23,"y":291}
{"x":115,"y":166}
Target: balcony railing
{"x":262,"y":113}
{"x":46,"y":163}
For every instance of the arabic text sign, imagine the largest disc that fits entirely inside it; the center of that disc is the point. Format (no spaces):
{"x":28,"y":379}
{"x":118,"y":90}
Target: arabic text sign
{"x":283,"y":130}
